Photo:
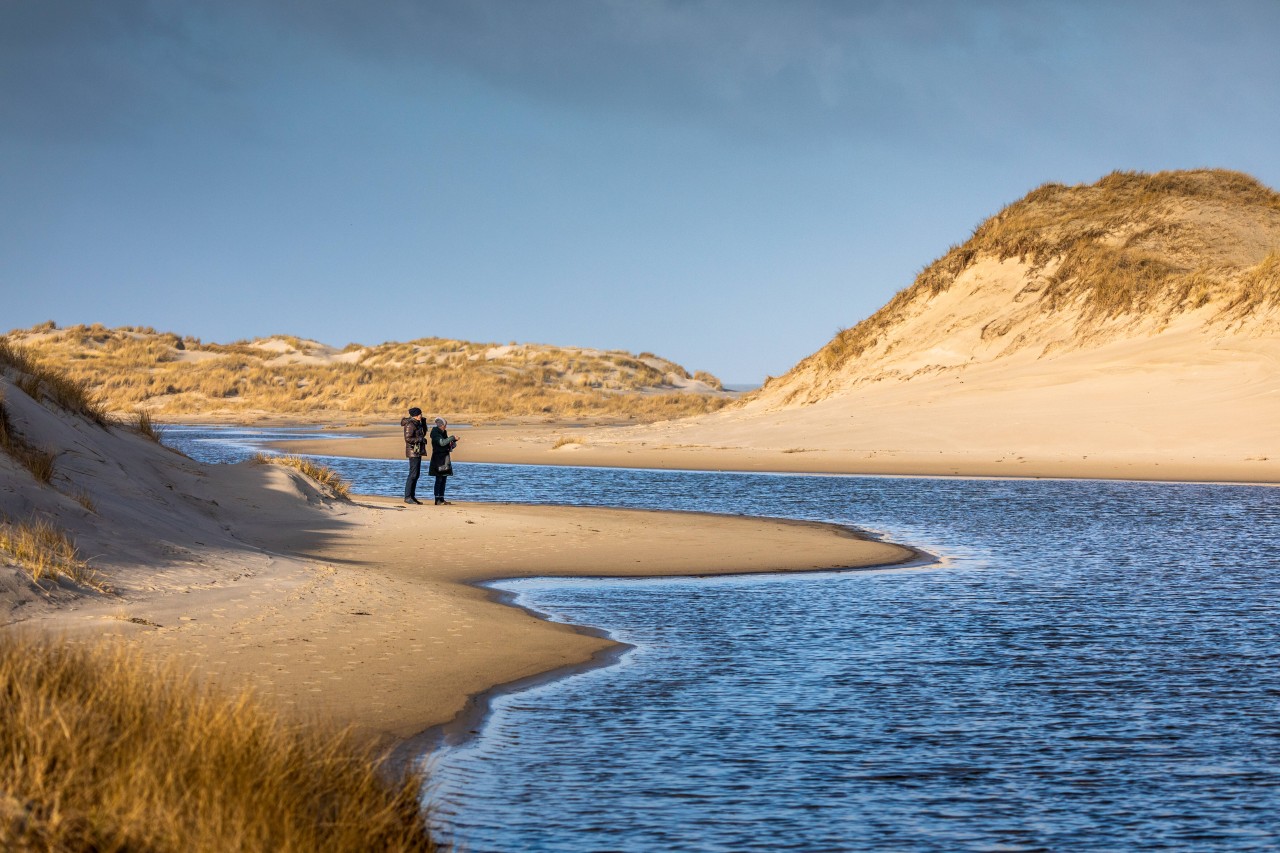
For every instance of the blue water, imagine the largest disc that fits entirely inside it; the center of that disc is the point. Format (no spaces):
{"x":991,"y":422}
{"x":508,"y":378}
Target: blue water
{"x":1090,"y":666}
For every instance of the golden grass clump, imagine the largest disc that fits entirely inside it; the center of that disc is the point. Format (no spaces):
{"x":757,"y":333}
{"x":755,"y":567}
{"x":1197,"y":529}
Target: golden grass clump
{"x":147,"y":427}
{"x":38,"y":380}
{"x":45,"y":551}
{"x":322,"y":474}
{"x":101,"y":751}
{"x":1259,"y":284}
{"x":710,"y":380}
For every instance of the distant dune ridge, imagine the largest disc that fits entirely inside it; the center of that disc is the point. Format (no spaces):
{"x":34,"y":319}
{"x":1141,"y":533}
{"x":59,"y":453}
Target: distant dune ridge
{"x":174,"y":377}
{"x":1130,"y":327}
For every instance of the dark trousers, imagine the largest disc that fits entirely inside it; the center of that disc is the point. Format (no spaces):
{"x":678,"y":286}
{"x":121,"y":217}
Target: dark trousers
{"x":411,"y":484}
{"x":441,"y":479}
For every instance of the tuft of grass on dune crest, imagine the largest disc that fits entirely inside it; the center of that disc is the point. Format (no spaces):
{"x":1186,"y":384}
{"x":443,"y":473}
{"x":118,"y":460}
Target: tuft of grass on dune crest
{"x":322,"y":474}
{"x":146,"y":426}
{"x":45,"y":551}
{"x":102,"y":751}
{"x":39,"y":381}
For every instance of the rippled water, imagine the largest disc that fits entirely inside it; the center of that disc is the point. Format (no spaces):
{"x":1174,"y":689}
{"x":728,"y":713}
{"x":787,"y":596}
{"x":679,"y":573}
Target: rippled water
{"x":1092,"y":666}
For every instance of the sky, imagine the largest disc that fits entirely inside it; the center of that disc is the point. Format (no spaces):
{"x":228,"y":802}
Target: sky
{"x":726,"y":183}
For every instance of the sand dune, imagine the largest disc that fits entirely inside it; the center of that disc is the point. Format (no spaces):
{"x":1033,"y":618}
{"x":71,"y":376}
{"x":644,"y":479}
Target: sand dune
{"x":1134,"y":319}
{"x":1130,"y":329}
{"x":183,"y":378}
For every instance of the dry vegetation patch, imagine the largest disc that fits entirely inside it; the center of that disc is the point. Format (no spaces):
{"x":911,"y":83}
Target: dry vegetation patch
{"x":40,"y":380}
{"x":45,"y":551}
{"x":100,"y":751}
{"x":133,"y":368}
{"x":328,"y":478}
{"x":35,"y":459}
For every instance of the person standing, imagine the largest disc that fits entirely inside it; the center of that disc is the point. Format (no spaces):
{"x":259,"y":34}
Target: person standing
{"x":415,"y":439}
{"x":441,"y":466}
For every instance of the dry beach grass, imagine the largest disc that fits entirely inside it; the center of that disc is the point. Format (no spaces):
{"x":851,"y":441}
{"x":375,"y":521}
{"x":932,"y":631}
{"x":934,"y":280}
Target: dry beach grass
{"x":166,"y":375}
{"x":100,"y":750}
{"x":323,"y":475}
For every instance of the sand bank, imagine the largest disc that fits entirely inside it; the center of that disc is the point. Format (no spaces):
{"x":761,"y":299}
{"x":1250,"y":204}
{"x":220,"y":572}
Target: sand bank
{"x":735,"y":443}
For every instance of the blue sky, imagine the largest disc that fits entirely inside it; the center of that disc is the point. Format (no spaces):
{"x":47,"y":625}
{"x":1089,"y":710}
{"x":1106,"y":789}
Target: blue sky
{"x":723,"y":182}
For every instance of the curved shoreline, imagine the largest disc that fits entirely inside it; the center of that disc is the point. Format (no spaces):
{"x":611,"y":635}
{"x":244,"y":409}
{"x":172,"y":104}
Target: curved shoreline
{"x":469,"y":722}
{"x":620,"y":447}
{"x":377,"y":615}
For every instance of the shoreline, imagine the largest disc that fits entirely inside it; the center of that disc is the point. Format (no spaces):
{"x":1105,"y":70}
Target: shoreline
{"x":469,"y":722}
{"x":381,"y":616}
{"x":612,"y":446}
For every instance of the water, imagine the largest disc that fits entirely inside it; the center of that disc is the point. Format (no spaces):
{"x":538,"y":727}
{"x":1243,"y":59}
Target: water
{"x":1091,"y":666}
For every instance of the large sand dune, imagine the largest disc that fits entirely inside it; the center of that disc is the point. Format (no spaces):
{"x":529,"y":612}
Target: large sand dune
{"x":1130,"y":328}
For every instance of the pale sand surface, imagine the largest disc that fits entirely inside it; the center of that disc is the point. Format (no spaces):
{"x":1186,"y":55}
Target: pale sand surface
{"x":738,"y":446}
{"x":1184,"y":400}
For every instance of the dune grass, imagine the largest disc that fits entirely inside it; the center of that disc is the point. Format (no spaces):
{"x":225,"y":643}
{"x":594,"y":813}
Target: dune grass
{"x":322,"y":474}
{"x":44,"y":550}
{"x":1132,"y":244}
{"x":101,"y":751}
{"x":43,"y":381}
{"x":131,"y":366}
{"x":146,"y":426}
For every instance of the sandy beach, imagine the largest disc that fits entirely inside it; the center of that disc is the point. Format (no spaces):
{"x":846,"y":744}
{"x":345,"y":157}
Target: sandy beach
{"x":368,"y":612}
{"x":891,"y":441}
{"x":365,"y":611}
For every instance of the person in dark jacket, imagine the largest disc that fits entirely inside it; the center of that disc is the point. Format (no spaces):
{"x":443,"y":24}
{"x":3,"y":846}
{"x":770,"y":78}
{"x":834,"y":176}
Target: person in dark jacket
{"x":441,"y":465}
{"x":415,"y":440}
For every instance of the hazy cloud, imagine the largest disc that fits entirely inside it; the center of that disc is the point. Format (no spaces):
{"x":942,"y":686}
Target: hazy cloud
{"x":802,"y":66}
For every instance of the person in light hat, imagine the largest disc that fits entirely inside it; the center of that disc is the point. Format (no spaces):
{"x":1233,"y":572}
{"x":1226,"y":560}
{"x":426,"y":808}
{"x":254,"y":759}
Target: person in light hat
{"x":441,"y":466}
